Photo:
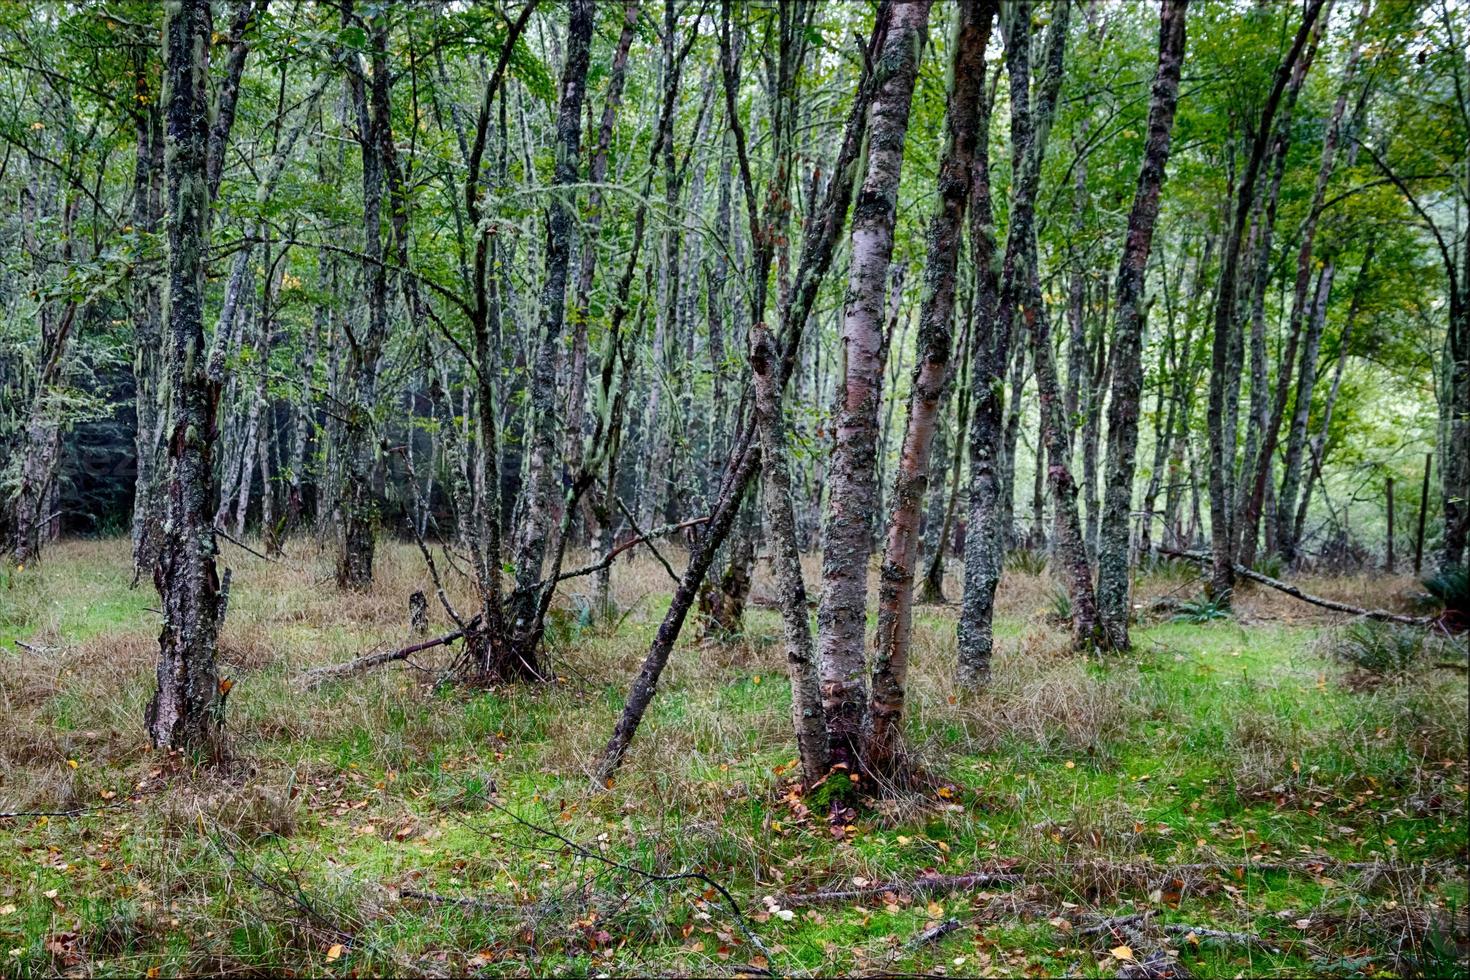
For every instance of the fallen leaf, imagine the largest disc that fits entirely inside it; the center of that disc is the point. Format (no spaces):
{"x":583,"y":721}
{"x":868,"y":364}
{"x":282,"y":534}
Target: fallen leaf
{"x":334,"y":953}
{"x":1121,"y":953}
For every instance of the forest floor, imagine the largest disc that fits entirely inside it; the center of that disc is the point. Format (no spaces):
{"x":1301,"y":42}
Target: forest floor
{"x":1227,"y":797}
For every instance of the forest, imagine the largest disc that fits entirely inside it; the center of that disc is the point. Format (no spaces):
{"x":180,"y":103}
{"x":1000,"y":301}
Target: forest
{"x":735,"y":488}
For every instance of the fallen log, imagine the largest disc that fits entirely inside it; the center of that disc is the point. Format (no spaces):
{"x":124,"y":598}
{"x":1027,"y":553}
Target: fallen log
{"x":1381,"y":615}
{"x":321,"y":675}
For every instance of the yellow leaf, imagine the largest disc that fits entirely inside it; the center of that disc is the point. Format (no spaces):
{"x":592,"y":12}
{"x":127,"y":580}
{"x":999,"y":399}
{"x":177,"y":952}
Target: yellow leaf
{"x":7,"y":910}
{"x":334,"y":953}
{"x":1121,"y":953}
{"x":51,"y":893}
{"x":757,"y":678}
{"x":935,"y":910}
{"x":1071,"y":764}
{"x":154,"y":971}
{"x":72,"y":763}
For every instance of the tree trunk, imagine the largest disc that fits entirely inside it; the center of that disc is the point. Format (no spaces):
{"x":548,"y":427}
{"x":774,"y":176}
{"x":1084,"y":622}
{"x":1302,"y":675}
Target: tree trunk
{"x":536,"y":516}
{"x":356,"y":505}
{"x":780,"y":516}
{"x":1318,"y":442}
{"x":931,"y":374}
{"x":996,"y":299}
{"x":147,"y":331}
{"x":1296,"y":439}
{"x":1255,"y":507}
{"x":1113,"y":550}
{"x":186,"y":709}
{"x":816,"y":256}
{"x":587,"y":262}
{"x":847,"y":543}
{"x":1222,"y":450}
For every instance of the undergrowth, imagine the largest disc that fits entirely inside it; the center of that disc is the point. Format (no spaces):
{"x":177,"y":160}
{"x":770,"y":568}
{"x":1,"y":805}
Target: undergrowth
{"x":1228,"y":774}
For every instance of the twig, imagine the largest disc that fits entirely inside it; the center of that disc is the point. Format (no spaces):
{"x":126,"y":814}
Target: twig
{"x":919,"y":886}
{"x":935,"y":933}
{"x":241,"y":544}
{"x":633,"y":523}
{"x":39,"y":651}
{"x":592,"y":855}
{"x":299,"y":899}
{"x":1382,"y":615}
{"x":612,"y":555}
{"x":75,"y":812}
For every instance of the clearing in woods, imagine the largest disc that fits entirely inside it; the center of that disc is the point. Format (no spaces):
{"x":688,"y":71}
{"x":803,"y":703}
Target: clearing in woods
{"x":1231,"y":795}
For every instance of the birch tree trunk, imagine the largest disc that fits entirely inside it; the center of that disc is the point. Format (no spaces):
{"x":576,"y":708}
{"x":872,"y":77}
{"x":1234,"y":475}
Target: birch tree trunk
{"x":847,"y":542}
{"x":186,"y":708}
{"x":1123,"y":408}
{"x":536,"y":510}
{"x":780,"y":517}
{"x":996,"y":300}
{"x":931,"y":374}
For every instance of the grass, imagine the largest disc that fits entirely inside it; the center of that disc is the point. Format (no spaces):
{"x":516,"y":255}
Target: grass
{"x":1215,"y":743}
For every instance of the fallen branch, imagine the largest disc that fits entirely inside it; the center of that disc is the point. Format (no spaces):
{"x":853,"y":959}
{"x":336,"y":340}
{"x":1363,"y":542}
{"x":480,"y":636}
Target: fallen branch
{"x":1381,"y":615}
{"x":935,"y":933}
{"x":74,"y":812}
{"x":320,"y":675}
{"x":1219,"y":935}
{"x":464,"y":903}
{"x":918,"y":886}
{"x":1134,"y":926}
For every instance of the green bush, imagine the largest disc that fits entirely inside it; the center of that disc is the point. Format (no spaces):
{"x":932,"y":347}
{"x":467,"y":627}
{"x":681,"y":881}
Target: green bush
{"x":1380,"y":650}
{"x":1205,"y":609}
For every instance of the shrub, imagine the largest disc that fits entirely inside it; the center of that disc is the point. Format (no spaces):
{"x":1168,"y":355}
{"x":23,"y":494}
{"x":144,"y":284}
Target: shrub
{"x":1061,"y":604}
{"x":1451,"y":586}
{"x":1380,"y":650}
{"x":1026,"y":561}
{"x":1205,"y":609}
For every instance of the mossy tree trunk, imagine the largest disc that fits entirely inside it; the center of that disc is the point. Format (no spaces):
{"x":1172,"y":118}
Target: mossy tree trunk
{"x":185,"y":710}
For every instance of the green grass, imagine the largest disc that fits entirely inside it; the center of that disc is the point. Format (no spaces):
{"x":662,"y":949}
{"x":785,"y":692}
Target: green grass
{"x":1212,"y":744}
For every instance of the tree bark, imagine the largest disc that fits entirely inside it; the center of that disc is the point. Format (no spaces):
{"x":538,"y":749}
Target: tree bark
{"x":816,"y":256}
{"x":148,"y":409}
{"x":931,"y":375}
{"x":1123,"y":408}
{"x":996,"y":301}
{"x":186,"y":708}
{"x":356,"y":506}
{"x":536,"y":514}
{"x":780,"y":516}
{"x":847,"y":543}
